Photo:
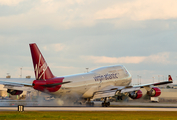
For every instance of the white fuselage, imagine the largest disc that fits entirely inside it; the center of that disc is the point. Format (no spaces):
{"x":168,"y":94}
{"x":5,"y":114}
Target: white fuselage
{"x":86,"y":84}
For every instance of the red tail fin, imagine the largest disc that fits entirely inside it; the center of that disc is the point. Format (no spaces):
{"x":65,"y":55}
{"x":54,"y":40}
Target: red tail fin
{"x":41,"y":69}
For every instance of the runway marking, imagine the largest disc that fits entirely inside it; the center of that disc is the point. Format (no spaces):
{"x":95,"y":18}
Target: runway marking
{"x":86,"y":109}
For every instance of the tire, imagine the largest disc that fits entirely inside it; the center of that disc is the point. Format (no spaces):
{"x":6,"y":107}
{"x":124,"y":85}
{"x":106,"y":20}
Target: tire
{"x":108,"y":104}
{"x":92,"y":104}
{"x":102,"y":104}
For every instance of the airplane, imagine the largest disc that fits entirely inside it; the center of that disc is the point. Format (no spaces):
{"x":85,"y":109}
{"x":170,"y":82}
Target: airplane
{"x":103,"y":82}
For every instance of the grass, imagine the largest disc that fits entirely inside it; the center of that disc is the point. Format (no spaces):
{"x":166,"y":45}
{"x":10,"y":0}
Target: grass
{"x":120,"y":115}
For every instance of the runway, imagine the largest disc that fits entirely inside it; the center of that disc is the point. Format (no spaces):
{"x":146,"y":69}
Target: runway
{"x":115,"y":106}
{"x":88,"y":109}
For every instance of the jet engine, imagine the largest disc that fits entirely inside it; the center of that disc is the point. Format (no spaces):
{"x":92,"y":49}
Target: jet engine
{"x":135,"y":94}
{"x":14,"y":92}
{"x":154,"y":92}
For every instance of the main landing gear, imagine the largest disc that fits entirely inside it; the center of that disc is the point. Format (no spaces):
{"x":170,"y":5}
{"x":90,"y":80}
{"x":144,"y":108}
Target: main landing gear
{"x":77,"y":103}
{"x":89,"y":103}
{"x":119,"y":97}
{"x":105,"y":104}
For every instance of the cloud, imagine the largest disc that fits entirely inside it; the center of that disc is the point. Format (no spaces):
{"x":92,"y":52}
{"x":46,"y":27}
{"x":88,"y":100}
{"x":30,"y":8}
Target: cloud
{"x":140,"y":10}
{"x":104,"y":59}
{"x":161,"y":58}
{"x":88,"y":29}
{"x":158,"y":58}
{"x":62,"y":67}
{"x":81,"y":13}
{"x":54,"y":47}
{"x":56,"y":14}
{"x":10,"y":2}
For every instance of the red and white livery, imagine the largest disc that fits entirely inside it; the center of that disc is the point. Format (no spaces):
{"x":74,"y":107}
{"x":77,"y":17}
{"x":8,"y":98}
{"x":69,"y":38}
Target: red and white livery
{"x":102,"y":82}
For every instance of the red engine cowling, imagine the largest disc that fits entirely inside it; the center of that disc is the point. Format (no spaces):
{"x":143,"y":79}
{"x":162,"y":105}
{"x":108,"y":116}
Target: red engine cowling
{"x":136,"y":94}
{"x":154,"y":92}
{"x":14,"y":92}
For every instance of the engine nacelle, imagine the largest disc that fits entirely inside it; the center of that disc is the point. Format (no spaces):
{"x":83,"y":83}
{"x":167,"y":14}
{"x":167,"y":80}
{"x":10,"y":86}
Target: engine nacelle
{"x":14,"y":92}
{"x":136,"y":94}
{"x":154,"y":92}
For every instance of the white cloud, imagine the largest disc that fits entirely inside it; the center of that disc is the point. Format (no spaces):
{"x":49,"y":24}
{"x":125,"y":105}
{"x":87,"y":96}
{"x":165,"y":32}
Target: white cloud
{"x":58,"y":47}
{"x":140,"y":10}
{"x":63,"y":67}
{"x":80,"y":13}
{"x":10,"y":2}
{"x":104,"y":59}
{"x":40,"y":20}
{"x":55,"y":47}
{"x":157,"y":58}
{"x":57,"y":14}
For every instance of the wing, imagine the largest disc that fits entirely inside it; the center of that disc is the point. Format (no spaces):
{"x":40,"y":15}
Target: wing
{"x":23,"y":84}
{"x":155,"y":84}
{"x":112,"y":90}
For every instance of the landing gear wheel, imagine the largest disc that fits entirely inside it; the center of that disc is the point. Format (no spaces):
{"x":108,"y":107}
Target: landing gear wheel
{"x":90,"y":104}
{"x":77,"y":103}
{"x":119,"y":97}
{"x":105,"y":104}
{"x":108,"y":103}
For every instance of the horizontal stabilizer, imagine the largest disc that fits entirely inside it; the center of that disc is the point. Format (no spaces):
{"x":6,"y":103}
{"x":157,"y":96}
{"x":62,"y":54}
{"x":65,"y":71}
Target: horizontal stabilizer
{"x":55,"y":84}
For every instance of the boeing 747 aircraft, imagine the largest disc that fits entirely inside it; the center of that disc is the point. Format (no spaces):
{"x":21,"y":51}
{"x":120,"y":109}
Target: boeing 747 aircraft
{"x":102,"y":82}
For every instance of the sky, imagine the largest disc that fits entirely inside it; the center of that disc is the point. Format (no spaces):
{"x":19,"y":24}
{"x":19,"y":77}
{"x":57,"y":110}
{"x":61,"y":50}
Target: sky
{"x":77,"y":34}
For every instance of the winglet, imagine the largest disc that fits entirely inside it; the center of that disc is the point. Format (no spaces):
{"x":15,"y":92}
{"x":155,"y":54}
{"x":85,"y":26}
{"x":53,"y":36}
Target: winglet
{"x":41,"y":69}
{"x":170,"y":78}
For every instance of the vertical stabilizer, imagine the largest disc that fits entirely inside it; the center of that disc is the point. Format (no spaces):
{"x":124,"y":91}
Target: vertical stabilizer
{"x":41,"y":69}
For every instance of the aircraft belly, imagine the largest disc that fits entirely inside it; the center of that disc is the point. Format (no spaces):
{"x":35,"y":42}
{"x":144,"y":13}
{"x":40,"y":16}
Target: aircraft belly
{"x":75,"y":91}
